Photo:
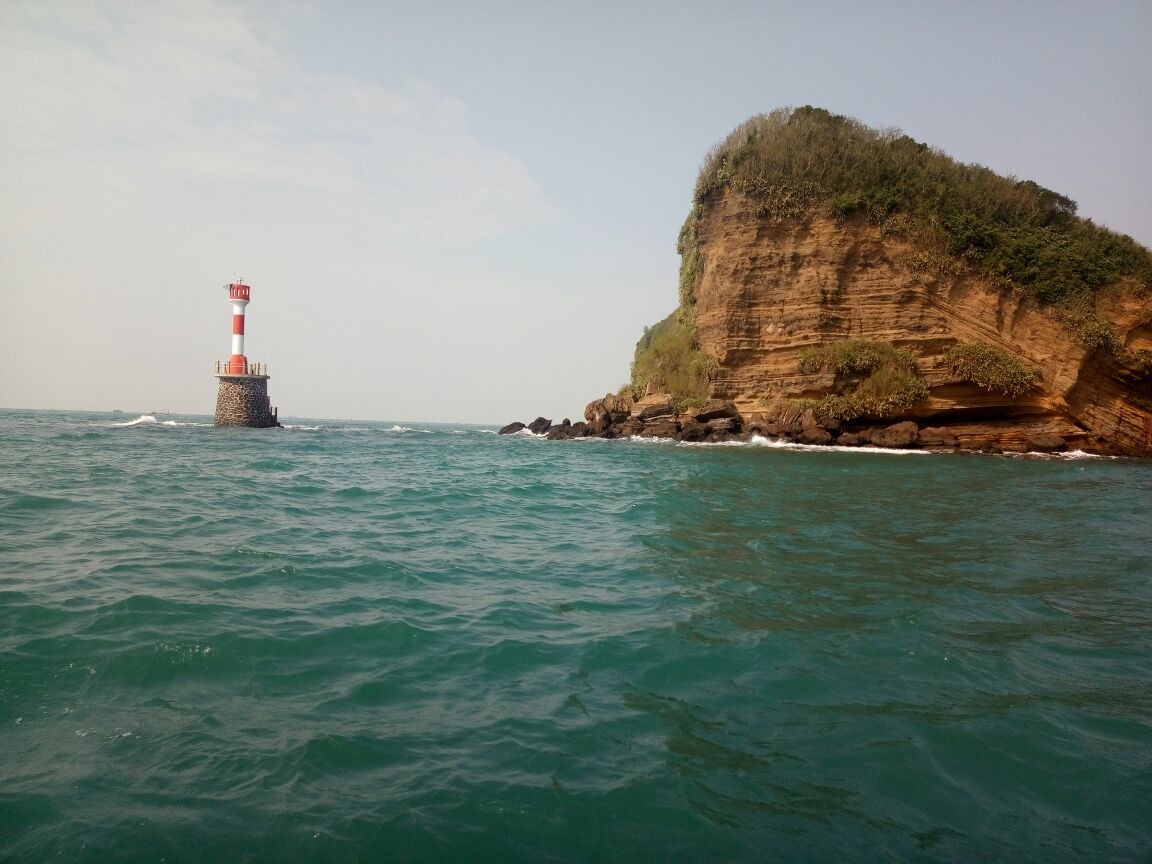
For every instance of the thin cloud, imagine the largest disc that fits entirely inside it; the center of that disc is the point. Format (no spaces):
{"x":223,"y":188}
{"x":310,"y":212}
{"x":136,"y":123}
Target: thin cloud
{"x":135,"y":103}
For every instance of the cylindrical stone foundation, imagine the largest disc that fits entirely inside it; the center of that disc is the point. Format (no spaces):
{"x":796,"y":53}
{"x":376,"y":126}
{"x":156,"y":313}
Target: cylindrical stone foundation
{"x":242,"y":400}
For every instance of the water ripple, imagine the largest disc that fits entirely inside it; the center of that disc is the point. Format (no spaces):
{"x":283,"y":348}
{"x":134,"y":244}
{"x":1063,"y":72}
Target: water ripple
{"x":356,"y":641}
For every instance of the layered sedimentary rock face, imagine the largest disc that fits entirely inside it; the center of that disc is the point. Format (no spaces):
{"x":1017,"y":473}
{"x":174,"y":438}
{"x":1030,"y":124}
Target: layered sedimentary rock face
{"x":766,"y":289}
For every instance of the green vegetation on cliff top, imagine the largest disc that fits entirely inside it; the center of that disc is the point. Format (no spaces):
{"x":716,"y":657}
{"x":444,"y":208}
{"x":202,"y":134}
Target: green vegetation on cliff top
{"x":807,"y":161}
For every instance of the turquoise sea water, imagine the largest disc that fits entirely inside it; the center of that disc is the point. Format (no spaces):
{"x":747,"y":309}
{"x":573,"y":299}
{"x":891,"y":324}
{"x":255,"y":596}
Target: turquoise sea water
{"x":366,"y":642}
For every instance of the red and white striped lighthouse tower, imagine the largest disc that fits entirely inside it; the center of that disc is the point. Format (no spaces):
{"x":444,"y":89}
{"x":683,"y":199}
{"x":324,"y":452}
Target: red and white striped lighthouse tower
{"x":239,"y":294}
{"x":242,"y":397}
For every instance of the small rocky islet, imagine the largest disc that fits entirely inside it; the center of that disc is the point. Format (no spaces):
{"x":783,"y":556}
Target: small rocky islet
{"x":851,"y":286}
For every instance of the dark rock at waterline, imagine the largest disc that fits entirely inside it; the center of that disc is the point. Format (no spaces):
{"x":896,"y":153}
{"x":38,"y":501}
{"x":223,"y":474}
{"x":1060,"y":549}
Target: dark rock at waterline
{"x":631,"y":426}
{"x":723,"y":425}
{"x":566,"y":430}
{"x":767,"y":430}
{"x":715,"y":409}
{"x":601,"y":414}
{"x":692,"y":430}
{"x":814,"y":435}
{"x":1047,"y":444}
{"x":660,"y":427}
{"x":935,"y":436}
{"x":898,"y":435}
{"x":656,"y":416}
{"x":718,"y":421}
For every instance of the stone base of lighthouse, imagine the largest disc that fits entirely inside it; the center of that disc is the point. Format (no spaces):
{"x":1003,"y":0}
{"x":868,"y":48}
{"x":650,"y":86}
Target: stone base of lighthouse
{"x":242,"y":400}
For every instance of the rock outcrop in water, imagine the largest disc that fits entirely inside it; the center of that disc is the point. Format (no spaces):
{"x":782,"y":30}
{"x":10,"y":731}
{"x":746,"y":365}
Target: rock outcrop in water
{"x":848,"y":286}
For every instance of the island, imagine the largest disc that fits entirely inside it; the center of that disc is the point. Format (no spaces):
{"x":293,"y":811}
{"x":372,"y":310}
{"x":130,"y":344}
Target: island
{"x":846,"y":285}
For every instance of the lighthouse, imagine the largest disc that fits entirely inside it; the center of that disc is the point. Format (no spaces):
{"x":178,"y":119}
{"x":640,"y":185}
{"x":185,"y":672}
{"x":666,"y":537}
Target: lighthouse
{"x":242,"y":394}
{"x":238,"y":295}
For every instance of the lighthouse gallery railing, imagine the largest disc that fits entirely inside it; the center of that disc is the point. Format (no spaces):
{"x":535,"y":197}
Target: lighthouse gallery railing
{"x":224,"y":367}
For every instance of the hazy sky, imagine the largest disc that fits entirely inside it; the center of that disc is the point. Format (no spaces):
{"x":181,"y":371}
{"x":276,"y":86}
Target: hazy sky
{"x":465,"y":211}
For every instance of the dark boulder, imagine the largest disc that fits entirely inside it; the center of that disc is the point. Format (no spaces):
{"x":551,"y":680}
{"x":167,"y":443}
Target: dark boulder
{"x":814,"y":435}
{"x":795,"y":423}
{"x":631,"y":426}
{"x":898,"y":435}
{"x":766,"y":429}
{"x":723,"y":425}
{"x":512,"y":427}
{"x":660,"y":427}
{"x":561,"y":431}
{"x":691,"y":430}
{"x":1046,"y":443}
{"x":539,"y":426}
{"x":715,"y":409}
{"x":613,"y":408}
{"x":599,"y":424}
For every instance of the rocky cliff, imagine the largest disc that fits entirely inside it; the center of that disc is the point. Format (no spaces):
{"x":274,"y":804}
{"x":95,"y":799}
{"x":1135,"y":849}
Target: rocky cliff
{"x":766,"y":290}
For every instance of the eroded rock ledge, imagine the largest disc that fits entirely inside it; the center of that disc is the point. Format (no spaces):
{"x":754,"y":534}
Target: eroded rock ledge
{"x":718,"y":421}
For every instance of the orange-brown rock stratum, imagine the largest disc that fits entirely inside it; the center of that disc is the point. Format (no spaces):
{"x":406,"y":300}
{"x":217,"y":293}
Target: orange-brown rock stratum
{"x":845,"y":285}
{"x":767,"y":290}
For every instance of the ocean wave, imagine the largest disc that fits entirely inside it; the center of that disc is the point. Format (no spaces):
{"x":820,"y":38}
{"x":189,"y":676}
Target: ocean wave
{"x":142,"y":420}
{"x":12,"y":500}
{"x":150,"y":420}
{"x":342,"y":636}
{"x":775,"y":444}
{"x":1069,"y":456}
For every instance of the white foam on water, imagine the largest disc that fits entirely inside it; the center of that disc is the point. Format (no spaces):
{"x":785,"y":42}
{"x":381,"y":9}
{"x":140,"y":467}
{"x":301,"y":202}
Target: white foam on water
{"x":142,"y":420}
{"x":1070,"y":456}
{"x":775,"y":444}
{"x":150,"y":420}
{"x":648,"y":439}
